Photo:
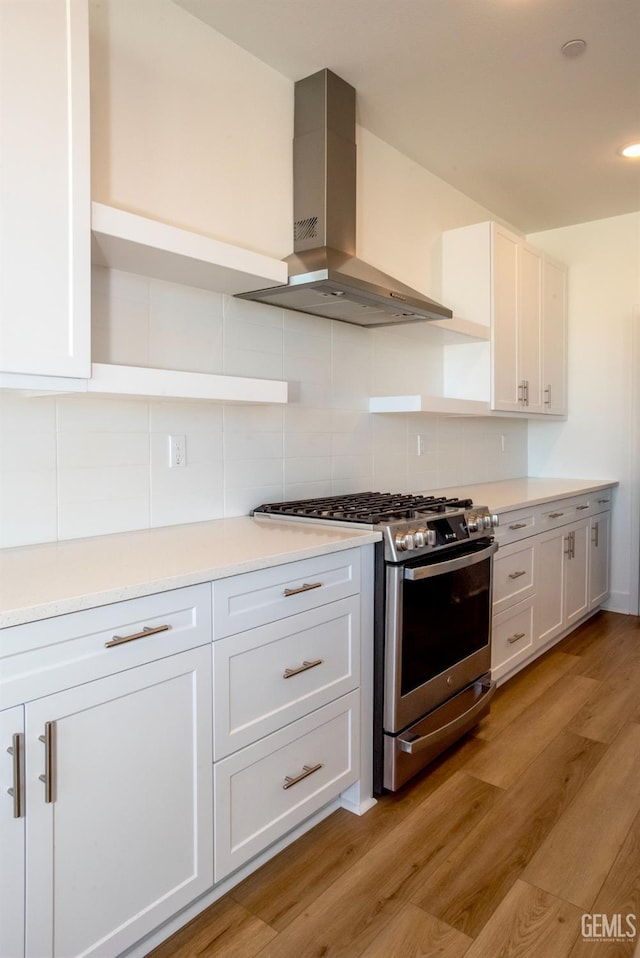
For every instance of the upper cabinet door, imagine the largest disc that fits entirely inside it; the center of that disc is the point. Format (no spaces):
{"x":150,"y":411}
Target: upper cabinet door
{"x":44,"y":188}
{"x":505,"y":289}
{"x":554,"y":338}
{"x":530,"y":328}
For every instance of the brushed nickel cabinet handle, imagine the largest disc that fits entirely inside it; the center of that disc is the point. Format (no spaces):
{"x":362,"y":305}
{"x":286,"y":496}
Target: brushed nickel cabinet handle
{"x":49,"y":739}
{"x":555,"y":515}
{"x":516,"y":637}
{"x":521,"y":393}
{"x":579,"y":508}
{"x":288,"y":673}
{"x":547,"y":393}
{"x":526,"y":392}
{"x":147,"y":630}
{"x":596,"y":528}
{"x":516,"y":575}
{"x":518,"y":525}
{"x":16,"y":751}
{"x":307,"y":770}
{"x":302,"y":588}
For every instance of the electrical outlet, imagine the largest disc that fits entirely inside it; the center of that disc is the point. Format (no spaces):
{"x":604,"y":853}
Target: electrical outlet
{"x":420,"y":446}
{"x":503,"y":442}
{"x":177,"y":451}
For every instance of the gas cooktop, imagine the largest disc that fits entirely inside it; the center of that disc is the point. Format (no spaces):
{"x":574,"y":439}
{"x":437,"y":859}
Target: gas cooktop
{"x":410,"y":523}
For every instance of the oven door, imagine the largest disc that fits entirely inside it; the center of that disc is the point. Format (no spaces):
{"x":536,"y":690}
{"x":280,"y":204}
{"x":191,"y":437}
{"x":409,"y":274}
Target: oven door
{"x":438,"y":631}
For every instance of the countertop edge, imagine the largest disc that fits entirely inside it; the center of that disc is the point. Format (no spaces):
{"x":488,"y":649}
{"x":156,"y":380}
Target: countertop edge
{"x":508,"y":504}
{"x":50,"y":608}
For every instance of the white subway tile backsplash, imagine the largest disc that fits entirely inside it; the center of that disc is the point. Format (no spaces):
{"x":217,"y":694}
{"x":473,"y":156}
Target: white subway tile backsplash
{"x":310,"y":469}
{"x":76,"y":466}
{"x":28,"y":507}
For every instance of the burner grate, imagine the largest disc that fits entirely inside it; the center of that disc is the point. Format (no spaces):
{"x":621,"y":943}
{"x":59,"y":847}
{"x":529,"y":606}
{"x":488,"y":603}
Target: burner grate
{"x":374,"y":508}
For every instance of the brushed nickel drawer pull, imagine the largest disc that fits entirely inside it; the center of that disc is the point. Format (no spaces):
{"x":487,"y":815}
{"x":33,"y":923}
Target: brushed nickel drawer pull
{"x":288,"y":673}
{"x":147,"y":630}
{"x":602,"y":501}
{"x":578,"y":508}
{"x":518,"y":525}
{"x":302,"y":588}
{"x":15,"y":750}
{"x":306,"y":772}
{"x":516,"y":637}
{"x":516,"y":575}
{"x":49,"y":739}
{"x":555,"y":515}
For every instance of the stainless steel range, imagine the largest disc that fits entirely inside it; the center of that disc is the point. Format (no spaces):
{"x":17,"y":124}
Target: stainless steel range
{"x":432,"y":652}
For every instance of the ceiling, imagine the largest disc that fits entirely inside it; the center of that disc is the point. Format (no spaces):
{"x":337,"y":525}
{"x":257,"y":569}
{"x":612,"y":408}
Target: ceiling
{"x":476,"y":91}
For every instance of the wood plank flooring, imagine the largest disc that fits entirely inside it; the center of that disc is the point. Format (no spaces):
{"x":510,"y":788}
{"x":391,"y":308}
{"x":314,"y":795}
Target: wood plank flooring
{"x":497,"y":849}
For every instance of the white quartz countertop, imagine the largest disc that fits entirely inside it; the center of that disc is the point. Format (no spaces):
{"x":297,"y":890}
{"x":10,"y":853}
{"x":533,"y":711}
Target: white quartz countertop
{"x":509,"y":494}
{"x":40,"y":581}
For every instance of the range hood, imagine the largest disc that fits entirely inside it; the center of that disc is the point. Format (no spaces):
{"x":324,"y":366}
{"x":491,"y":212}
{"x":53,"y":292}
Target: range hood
{"x":325,"y":276}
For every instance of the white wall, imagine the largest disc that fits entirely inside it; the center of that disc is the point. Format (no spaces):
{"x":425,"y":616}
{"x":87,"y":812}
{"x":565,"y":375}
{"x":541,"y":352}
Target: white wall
{"x":190,"y":129}
{"x":600,"y":438}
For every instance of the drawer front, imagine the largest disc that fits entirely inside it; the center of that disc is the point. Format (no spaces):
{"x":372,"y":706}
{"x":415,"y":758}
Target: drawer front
{"x":511,"y":638}
{"x":279,"y":672}
{"x":247,"y":601}
{"x":512,"y":575}
{"x":513,"y":526}
{"x":50,"y":655}
{"x":564,"y":511}
{"x":263,"y":791}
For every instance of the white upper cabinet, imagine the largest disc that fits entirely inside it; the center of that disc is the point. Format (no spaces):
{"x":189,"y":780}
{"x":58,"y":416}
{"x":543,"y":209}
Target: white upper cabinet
{"x":554,"y":337}
{"x":494,"y":277}
{"x":44,"y":188}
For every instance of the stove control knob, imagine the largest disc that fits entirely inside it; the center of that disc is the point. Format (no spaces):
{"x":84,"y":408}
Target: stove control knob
{"x":420,"y":537}
{"x":401,"y":545}
{"x":488,"y":522}
{"x":495,"y":521}
{"x":474,"y":523}
{"x":409,"y":541}
{"x":432,"y":538}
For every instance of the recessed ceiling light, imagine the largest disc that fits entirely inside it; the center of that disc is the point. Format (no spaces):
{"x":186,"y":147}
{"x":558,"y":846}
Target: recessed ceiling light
{"x":573,"y":48}
{"x":631,"y":151}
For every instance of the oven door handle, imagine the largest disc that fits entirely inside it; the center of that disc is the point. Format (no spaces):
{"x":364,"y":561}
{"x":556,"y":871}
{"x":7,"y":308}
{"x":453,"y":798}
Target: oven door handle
{"x":485,"y":691}
{"x":461,"y":562}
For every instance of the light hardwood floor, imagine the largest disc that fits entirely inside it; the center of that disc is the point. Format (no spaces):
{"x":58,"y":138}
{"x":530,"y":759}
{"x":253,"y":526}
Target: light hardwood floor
{"x":498,"y":849}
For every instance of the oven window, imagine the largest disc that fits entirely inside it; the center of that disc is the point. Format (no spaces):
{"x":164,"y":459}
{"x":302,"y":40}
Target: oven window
{"x":445,"y":618}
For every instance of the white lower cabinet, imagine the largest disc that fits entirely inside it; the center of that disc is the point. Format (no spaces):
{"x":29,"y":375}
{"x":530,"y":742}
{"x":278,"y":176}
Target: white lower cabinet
{"x":119,"y":835}
{"x":108,"y":831}
{"x":599,"y":560}
{"x":512,"y":637}
{"x":12,"y":832}
{"x":265,"y":789}
{"x":551,"y":570}
{"x":287,"y":675}
{"x":562,"y":579}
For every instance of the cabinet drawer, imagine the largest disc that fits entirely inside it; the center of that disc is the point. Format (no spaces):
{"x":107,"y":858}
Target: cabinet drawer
{"x":266,"y":789}
{"x":43,"y":657}
{"x":512,"y":575}
{"x":511,"y":637}
{"x":246,"y":601}
{"x":272,"y":675}
{"x":564,"y":511}
{"x":514,"y":526}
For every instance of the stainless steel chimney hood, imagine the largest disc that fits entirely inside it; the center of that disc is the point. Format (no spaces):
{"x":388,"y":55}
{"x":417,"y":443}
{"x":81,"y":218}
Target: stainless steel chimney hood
{"x":325,"y":276}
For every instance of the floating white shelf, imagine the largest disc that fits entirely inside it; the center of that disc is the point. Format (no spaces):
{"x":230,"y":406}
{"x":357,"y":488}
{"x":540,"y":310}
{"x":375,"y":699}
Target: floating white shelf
{"x":440,"y":405}
{"x":136,"y":244}
{"x":462,"y":327}
{"x":139,"y":381}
